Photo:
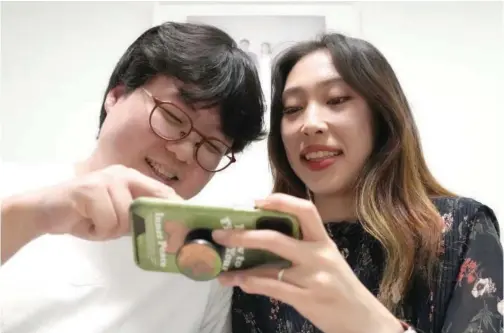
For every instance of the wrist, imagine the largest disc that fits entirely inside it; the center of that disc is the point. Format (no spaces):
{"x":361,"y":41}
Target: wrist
{"x":407,"y":328}
{"x":22,"y":221}
{"x":385,"y":322}
{"x":393,"y":325}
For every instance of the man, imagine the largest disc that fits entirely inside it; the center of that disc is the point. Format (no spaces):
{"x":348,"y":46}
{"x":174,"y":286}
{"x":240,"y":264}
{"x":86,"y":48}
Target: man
{"x":180,"y":102}
{"x":245,"y":46}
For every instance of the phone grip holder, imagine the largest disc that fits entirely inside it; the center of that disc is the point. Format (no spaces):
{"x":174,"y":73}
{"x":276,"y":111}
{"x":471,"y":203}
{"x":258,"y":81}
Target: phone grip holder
{"x":200,"y":257}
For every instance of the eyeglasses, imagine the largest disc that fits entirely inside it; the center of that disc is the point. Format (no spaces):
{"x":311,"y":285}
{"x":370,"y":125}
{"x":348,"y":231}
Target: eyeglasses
{"x":171,"y":123}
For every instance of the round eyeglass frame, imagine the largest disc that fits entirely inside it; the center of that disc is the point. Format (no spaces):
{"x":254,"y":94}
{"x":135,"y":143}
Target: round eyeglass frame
{"x":159,"y":103}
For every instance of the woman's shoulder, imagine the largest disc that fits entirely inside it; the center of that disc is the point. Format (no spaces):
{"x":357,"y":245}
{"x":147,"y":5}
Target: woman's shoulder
{"x":466,"y":220}
{"x":464,"y":213}
{"x":452,"y":204}
{"x":470,"y":269}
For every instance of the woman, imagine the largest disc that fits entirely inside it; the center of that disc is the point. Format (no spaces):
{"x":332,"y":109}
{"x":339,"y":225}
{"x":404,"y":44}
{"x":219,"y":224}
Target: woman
{"x":385,"y":247}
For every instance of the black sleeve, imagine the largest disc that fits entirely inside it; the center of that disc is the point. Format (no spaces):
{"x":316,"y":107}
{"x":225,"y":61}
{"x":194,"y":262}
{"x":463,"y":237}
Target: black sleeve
{"x":476,"y":304}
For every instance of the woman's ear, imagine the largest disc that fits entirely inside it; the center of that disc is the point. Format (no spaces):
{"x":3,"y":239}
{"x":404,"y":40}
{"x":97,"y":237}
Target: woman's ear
{"x":113,"y":96}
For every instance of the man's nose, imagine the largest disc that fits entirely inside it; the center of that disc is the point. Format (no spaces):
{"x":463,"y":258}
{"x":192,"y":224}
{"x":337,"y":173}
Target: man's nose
{"x":184,"y":150}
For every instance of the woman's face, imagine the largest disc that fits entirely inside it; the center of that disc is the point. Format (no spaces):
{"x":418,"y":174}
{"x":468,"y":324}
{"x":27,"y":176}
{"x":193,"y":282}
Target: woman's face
{"x":326,"y":127}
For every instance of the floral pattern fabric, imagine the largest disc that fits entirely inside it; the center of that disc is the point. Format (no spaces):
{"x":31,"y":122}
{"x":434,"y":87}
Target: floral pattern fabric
{"x":471,"y":301}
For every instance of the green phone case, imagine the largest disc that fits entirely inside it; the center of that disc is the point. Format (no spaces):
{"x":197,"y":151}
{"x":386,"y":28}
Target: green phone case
{"x":175,"y":237}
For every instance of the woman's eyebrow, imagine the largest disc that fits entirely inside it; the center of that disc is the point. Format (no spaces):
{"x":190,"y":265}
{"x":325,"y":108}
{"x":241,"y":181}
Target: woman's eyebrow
{"x":295,"y":90}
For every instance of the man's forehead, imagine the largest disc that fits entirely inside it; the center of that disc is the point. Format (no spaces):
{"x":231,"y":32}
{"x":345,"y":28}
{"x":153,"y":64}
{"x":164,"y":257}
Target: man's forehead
{"x":164,"y":87}
{"x":171,"y":88}
{"x":209,"y":117}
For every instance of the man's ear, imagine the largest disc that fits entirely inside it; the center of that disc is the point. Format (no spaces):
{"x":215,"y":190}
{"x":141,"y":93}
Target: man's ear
{"x":113,"y":96}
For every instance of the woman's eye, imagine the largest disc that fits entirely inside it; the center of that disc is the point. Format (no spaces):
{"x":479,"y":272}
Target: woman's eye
{"x":291,"y":109}
{"x":338,"y":100}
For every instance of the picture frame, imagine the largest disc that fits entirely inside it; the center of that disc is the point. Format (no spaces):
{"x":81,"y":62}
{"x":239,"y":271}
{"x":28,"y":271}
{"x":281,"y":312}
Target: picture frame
{"x":340,"y":16}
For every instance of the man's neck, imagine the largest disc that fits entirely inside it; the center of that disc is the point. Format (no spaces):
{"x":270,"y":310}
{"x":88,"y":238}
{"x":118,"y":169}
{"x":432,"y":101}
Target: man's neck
{"x":336,"y":207}
{"x":87,"y":165}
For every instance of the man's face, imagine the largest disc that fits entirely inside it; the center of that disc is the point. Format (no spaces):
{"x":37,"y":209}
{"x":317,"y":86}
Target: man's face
{"x":244,"y":45}
{"x":126,"y":137}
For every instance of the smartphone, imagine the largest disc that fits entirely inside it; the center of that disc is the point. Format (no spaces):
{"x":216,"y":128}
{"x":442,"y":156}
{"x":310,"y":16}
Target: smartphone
{"x":176,"y":237}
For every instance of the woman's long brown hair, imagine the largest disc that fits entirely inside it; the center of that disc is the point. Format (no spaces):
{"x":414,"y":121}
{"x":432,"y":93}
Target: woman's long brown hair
{"x":395,"y":188}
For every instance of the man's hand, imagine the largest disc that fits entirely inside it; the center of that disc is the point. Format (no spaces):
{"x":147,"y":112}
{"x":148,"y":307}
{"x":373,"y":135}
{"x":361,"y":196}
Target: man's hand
{"x":94,"y":207}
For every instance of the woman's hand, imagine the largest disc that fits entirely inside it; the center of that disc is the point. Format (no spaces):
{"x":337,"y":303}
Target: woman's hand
{"x":320,"y":285}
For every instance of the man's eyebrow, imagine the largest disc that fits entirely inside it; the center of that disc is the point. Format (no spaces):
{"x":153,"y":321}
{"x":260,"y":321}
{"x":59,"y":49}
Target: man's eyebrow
{"x":176,"y":96}
{"x":184,"y":101}
{"x":181,"y":94}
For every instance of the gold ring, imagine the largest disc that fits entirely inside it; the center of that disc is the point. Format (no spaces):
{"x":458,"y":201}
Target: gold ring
{"x":280,"y":274}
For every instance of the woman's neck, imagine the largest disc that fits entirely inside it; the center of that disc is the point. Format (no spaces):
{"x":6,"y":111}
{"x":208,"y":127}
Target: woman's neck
{"x":336,"y":207}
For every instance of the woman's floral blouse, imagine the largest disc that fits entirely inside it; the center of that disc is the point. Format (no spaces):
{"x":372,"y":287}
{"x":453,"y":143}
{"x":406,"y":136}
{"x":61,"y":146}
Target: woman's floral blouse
{"x":468,"y":297}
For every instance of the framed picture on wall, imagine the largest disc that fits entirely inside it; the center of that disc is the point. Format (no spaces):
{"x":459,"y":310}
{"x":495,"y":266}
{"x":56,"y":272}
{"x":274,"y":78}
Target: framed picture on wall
{"x":341,"y":17}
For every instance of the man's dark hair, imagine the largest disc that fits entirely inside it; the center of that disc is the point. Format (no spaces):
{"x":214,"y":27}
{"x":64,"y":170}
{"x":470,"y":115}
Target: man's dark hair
{"x":211,"y":66}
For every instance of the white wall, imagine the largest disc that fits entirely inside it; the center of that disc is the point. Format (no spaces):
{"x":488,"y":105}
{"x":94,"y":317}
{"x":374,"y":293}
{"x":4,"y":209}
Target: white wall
{"x":56,"y":60}
{"x":448,"y":55}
